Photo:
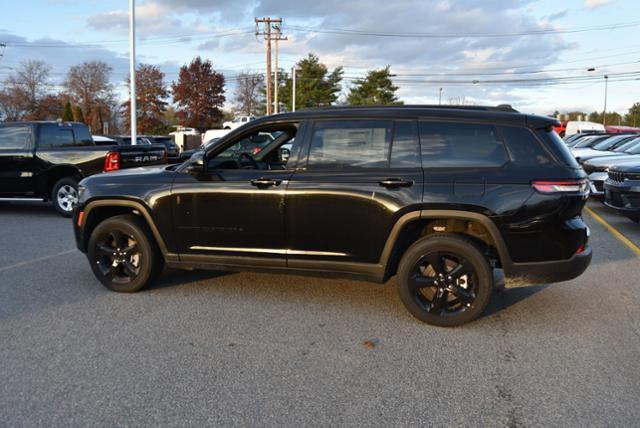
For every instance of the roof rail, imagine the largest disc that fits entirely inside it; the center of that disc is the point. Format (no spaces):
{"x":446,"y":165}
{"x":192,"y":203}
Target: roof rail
{"x":501,"y":107}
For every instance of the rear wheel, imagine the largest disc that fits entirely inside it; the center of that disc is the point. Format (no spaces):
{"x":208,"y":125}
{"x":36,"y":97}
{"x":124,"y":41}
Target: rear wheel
{"x":123,"y":255}
{"x":445,"y":280}
{"x":65,"y":196}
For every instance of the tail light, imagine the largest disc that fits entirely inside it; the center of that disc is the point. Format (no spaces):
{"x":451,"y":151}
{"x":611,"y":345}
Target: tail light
{"x":112,"y":162}
{"x":567,"y":186}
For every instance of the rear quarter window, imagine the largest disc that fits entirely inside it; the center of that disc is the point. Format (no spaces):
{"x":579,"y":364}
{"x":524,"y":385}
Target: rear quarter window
{"x":451,"y":144}
{"x":556,"y":146}
{"x":524,"y":147}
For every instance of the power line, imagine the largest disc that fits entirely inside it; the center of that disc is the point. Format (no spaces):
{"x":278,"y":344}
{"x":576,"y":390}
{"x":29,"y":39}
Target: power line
{"x":533,"y":32}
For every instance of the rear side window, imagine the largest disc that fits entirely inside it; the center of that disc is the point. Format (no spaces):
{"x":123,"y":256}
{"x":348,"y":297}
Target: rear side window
{"x":83,"y":136}
{"x":53,"y":135}
{"x":14,"y":137}
{"x":557,"y":147}
{"x":405,"y":150}
{"x":350,"y":144}
{"x":524,"y":147}
{"x":448,"y":144}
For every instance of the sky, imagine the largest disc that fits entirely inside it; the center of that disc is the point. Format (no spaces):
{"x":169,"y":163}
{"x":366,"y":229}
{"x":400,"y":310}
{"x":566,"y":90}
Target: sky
{"x":532,"y":54}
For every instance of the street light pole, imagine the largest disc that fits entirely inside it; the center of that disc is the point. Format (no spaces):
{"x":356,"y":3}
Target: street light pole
{"x":132,"y":68}
{"x":604,"y":114}
{"x":293,"y":98}
{"x":440,"y":97}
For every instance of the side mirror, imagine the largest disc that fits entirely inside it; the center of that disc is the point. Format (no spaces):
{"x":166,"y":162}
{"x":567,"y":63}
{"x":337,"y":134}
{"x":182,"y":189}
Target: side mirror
{"x":196,"y":163}
{"x":284,"y":155}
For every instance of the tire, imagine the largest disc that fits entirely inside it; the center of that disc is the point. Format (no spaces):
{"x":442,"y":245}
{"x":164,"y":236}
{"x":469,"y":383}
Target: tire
{"x":445,"y":280}
{"x":65,"y":196}
{"x":123,"y":254}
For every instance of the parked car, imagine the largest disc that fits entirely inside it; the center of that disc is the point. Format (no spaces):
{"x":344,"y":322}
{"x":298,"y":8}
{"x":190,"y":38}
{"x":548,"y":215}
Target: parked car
{"x":578,"y":126}
{"x":45,"y":161}
{"x":173,"y":151}
{"x":601,"y":147}
{"x":237,"y":122}
{"x":622,"y":189}
{"x":210,"y":134}
{"x":436,"y":196}
{"x":598,"y":168}
{"x":588,"y":141}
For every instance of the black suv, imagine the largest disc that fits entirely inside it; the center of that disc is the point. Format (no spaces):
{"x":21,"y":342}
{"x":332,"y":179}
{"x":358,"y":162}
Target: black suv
{"x":622,"y":189}
{"x":436,"y":196}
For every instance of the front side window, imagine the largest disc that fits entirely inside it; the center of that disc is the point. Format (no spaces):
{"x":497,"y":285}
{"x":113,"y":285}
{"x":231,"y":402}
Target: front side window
{"x":14,"y":137}
{"x":257,"y":150}
{"x":55,"y":136}
{"x":449,"y":144}
{"x":350,"y":144}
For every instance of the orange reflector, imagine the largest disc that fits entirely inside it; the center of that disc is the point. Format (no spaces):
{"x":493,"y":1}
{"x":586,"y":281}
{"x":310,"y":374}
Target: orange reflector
{"x":80,"y":218}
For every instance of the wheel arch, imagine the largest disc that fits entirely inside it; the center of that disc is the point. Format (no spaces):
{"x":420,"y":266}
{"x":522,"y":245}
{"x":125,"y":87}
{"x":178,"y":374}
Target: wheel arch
{"x":56,"y":173}
{"x":99,"y":210}
{"x":417,"y":224}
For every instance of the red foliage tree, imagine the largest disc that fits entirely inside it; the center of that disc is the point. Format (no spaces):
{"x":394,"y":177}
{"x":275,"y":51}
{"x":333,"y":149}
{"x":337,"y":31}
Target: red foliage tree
{"x":199,"y":95}
{"x":151,"y":94}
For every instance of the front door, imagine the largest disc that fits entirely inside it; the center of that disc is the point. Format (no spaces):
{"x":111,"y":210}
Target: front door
{"x":16,"y":161}
{"x":234,"y":211}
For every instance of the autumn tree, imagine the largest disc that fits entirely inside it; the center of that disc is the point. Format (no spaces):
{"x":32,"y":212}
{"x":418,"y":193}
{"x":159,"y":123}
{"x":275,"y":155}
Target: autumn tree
{"x":315,"y":85}
{"x":249,"y":94}
{"x":50,"y":107}
{"x":78,"y":115}
{"x":88,"y":86}
{"x":151,"y":93}
{"x":199,"y":95}
{"x":375,"y":89}
{"x":11,"y":108}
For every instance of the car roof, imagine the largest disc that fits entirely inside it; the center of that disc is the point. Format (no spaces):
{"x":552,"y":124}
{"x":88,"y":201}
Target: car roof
{"x":503,"y":114}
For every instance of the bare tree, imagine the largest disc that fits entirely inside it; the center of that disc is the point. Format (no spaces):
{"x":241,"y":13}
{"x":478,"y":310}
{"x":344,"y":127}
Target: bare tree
{"x":88,"y":86}
{"x":249,"y":93}
{"x":28,"y":85}
{"x":11,"y":109}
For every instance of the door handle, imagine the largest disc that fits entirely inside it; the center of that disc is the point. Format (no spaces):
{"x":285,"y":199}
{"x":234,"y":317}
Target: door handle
{"x":391,"y":183}
{"x":265,"y":182}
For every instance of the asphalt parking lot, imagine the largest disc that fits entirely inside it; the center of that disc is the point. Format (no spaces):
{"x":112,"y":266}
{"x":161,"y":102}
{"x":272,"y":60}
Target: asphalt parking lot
{"x":263,"y":350}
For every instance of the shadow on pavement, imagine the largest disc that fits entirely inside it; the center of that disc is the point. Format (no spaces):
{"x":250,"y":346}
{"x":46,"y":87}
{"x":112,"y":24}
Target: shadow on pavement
{"x":178,"y":277}
{"x":28,"y":209}
{"x":503,"y":298}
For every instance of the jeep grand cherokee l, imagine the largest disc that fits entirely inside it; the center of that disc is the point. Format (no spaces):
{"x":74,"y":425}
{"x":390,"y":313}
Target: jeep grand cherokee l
{"x":436,"y":196}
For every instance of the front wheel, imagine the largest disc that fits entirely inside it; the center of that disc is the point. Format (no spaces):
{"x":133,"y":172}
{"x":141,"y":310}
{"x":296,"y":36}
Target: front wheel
{"x":445,"y":280}
{"x":123,"y":255}
{"x":65,"y":196}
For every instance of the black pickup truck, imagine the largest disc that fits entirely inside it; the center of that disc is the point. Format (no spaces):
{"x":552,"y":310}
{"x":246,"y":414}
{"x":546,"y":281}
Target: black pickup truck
{"x":46,"y":160}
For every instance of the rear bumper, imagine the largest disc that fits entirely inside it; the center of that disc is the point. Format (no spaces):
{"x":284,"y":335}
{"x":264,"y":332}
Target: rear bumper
{"x":553,"y":271}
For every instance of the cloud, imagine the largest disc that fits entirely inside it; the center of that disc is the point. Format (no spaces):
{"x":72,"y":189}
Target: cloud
{"x":592,"y":4}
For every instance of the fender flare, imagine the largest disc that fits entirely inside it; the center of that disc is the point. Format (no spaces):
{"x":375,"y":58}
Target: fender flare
{"x":485,"y":221}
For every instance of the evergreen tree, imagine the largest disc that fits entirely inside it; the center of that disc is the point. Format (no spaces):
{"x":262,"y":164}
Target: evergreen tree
{"x":375,"y":89}
{"x":67,"y":114}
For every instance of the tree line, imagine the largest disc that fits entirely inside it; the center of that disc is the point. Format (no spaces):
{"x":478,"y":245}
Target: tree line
{"x":631,"y":118}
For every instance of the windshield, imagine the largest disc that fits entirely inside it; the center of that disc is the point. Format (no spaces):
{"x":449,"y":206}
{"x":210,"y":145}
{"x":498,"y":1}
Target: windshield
{"x":610,"y":142}
{"x":589,"y":142}
{"x":635,"y":148}
{"x":626,"y":146}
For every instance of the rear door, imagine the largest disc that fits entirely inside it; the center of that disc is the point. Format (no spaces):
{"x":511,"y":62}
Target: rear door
{"x":352,"y":187}
{"x":16,"y":160}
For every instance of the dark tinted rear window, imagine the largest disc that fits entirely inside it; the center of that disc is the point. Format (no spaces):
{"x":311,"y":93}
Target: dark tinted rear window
{"x":559,"y":149}
{"x":524,"y":147}
{"x":53,"y":135}
{"x":405,"y":151}
{"x":447,"y":144}
{"x":14,"y":137}
{"x":83,"y":136}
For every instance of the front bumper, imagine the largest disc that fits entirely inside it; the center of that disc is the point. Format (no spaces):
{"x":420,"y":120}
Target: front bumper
{"x":596,"y":183}
{"x":624,"y":197}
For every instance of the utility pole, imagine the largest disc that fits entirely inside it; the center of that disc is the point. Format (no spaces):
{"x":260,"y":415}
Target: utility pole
{"x":132,"y":68}
{"x":268,"y":21}
{"x":293,"y":89}
{"x":277,"y":37}
{"x":440,"y":97}
{"x":604,"y":114}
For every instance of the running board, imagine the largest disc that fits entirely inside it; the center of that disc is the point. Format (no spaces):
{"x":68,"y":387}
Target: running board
{"x":22,"y":199}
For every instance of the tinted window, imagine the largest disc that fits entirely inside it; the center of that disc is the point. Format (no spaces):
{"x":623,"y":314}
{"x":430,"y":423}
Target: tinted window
{"x":460,"y":144}
{"x":524,"y":148}
{"x":405,"y":151}
{"x":83,"y":136}
{"x":557,"y":147}
{"x":54,"y":135}
{"x":350,"y":144}
{"x":14,"y":137}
